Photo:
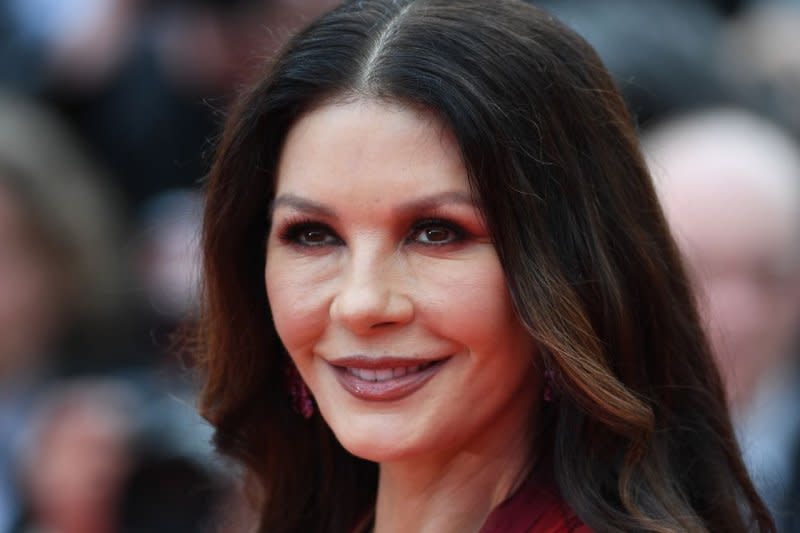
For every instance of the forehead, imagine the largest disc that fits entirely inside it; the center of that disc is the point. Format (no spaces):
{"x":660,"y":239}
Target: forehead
{"x":367,"y":148}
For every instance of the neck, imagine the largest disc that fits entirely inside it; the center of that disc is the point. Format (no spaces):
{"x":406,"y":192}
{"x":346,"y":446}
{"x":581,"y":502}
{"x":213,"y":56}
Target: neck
{"x":455,"y":493}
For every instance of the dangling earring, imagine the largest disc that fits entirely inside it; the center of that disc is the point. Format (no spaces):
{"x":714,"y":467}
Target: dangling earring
{"x":549,"y":385}
{"x":298,"y":392}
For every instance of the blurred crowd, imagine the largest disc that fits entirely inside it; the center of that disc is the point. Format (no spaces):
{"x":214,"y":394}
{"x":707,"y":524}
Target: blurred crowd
{"x":108,"y":115}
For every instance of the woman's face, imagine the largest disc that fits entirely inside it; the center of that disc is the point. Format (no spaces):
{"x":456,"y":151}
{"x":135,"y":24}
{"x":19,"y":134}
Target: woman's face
{"x":387,"y":291}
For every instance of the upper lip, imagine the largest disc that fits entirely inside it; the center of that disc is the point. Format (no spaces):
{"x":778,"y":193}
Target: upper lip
{"x":375,"y":363}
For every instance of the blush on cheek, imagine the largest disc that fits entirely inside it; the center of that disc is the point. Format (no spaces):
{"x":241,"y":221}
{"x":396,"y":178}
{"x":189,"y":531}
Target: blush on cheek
{"x":296,"y":314}
{"x":476,"y":301}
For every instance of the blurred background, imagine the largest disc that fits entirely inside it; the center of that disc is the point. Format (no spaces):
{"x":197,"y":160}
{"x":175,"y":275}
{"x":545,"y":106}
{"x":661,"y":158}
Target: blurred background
{"x":108,"y":114}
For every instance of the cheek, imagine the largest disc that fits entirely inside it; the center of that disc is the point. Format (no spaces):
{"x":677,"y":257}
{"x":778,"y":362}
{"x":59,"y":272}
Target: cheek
{"x":297,"y":302}
{"x":471,"y":304}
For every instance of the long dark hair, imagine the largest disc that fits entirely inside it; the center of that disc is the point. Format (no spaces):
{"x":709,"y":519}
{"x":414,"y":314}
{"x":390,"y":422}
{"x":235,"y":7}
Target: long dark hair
{"x":641,"y":439}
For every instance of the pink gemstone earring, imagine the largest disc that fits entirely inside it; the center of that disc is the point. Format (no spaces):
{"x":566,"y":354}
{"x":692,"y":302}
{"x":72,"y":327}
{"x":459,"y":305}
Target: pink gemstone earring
{"x":298,"y":391}
{"x":549,"y":385}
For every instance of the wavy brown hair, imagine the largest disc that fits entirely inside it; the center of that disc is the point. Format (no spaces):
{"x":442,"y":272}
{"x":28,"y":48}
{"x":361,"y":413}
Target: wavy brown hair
{"x":640,"y":435}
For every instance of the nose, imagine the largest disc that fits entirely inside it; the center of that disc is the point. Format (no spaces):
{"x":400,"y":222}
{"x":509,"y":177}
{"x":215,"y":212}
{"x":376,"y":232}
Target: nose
{"x":370,"y":297}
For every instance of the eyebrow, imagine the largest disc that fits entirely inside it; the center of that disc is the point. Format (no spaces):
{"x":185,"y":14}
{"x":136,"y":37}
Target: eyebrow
{"x":301,"y":204}
{"x":430,"y":202}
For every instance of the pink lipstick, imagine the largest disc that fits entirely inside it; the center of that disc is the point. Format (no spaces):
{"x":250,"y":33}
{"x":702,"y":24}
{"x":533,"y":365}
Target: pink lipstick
{"x":384,"y":378}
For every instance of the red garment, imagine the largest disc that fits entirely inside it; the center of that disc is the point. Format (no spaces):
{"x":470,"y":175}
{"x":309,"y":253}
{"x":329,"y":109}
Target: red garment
{"x":535,"y":508}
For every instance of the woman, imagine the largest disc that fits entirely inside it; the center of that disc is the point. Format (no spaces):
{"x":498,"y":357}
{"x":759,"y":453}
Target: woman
{"x":440,"y":294}
{"x":59,"y":274}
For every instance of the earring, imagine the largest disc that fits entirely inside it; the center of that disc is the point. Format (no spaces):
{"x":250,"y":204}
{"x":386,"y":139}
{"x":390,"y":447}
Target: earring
{"x":549,"y":385}
{"x":298,"y":392}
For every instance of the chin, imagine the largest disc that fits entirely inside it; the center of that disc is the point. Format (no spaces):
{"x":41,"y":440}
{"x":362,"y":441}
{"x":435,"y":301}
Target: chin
{"x":378,"y":445}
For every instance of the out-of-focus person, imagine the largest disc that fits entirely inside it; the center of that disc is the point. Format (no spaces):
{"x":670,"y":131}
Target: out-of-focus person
{"x":729,"y":182}
{"x":94,"y":461}
{"x":58,"y":276}
{"x":78,"y":454}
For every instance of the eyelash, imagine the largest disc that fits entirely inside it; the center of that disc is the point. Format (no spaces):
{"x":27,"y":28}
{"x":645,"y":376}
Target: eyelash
{"x":458,"y":233}
{"x":292,"y":232}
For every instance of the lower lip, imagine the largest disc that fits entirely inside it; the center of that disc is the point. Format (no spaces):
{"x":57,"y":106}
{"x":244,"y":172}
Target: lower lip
{"x":390,"y":389}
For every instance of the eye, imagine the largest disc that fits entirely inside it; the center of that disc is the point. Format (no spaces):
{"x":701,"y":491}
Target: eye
{"x":436,"y":233}
{"x":310,"y":234}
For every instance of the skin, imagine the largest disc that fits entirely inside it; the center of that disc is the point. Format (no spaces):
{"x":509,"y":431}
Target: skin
{"x":81,"y":463}
{"x":377,"y":249}
{"x":728,"y":182}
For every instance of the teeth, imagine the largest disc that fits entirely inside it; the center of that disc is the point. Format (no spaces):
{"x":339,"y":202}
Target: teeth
{"x":384,"y":374}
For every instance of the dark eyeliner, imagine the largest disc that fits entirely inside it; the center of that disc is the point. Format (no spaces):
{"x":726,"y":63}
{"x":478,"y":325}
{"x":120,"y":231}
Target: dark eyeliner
{"x":292,"y":230}
{"x":459,"y":233}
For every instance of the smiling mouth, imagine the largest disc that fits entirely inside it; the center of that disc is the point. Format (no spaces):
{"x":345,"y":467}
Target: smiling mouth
{"x":384,"y":379}
{"x":386,"y":374}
